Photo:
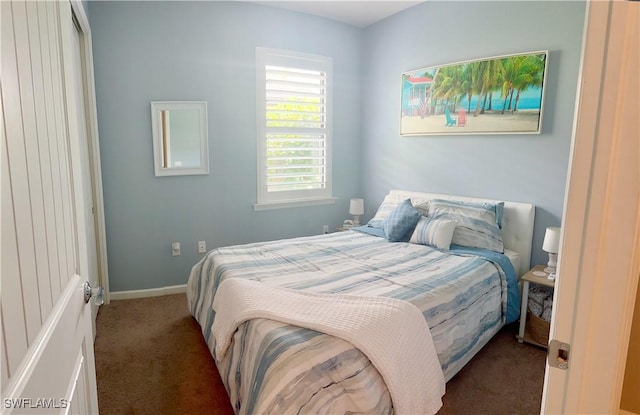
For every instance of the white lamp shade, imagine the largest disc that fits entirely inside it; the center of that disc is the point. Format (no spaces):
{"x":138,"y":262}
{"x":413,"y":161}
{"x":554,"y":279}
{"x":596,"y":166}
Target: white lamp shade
{"x":356,"y":207}
{"x":551,"y":240}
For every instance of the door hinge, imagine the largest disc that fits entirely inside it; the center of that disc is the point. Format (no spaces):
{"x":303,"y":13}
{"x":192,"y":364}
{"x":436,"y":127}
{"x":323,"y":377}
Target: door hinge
{"x":558,"y":354}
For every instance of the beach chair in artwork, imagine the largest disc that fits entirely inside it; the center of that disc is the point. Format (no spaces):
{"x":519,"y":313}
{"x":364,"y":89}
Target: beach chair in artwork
{"x":450,"y":120}
{"x":462,"y":118}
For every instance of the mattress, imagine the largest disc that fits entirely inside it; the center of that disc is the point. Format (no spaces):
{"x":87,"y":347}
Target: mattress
{"x":465,"y":298}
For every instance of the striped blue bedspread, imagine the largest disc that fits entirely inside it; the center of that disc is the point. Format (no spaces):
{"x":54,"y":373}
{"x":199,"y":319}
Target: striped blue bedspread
{"x":278,"y":368}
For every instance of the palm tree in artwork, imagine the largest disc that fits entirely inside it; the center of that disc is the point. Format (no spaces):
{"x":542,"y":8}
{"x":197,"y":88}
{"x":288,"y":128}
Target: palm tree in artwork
{"x":466,"y":86}
{"x":530,"y":76}
{"x":495,"y":70}
{"x":480,"y":81}
{"x":521,"y":72}
{"x":447,"y":85}
{"x":429,"y":92}
{"x":510,"y":75}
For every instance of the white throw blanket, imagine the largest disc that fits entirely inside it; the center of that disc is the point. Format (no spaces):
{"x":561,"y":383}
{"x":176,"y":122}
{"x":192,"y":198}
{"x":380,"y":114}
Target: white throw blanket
{"x":392,"y":333}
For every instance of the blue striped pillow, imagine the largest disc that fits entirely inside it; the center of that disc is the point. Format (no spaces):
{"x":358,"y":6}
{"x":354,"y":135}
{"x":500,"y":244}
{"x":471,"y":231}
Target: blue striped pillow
{"x":400,"y":221}
{"x":434,"y":232}
{"x":477,"y":223}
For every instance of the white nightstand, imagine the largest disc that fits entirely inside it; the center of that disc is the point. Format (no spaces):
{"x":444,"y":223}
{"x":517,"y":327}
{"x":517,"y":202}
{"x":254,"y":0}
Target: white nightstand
{"x":530,"y":277}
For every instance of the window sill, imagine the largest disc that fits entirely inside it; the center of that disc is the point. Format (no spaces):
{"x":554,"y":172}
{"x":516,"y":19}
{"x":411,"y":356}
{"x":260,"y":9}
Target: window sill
{"x":294,"y":203}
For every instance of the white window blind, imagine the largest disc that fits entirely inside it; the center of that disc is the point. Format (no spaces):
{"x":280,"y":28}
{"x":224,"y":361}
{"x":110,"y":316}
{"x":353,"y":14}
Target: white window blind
{"x":293,"y":126}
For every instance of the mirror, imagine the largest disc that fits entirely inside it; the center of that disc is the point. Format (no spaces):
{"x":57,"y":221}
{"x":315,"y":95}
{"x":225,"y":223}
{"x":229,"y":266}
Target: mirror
{"x":180,"y":137}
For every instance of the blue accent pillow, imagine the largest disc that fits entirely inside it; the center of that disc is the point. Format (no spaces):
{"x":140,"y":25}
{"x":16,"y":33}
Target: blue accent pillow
{"x":400,"y":221}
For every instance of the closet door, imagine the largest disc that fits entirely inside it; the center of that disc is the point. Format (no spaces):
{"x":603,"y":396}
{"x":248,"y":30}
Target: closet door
{"x":47,"y":345}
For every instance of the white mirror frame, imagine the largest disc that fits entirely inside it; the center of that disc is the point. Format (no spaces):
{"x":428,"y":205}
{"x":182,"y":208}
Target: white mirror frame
{"x":156,"y":126}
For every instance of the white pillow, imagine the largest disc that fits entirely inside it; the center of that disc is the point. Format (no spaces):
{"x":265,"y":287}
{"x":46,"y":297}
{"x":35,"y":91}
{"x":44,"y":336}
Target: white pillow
{"x":434,"y":232}
{"x":386,"y":207}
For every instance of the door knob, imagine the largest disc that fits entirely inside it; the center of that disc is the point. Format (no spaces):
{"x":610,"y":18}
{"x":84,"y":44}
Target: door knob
{"x":97,"y":293}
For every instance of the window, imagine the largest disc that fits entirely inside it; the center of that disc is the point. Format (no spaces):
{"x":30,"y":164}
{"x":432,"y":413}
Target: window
{"x":294,"y":128}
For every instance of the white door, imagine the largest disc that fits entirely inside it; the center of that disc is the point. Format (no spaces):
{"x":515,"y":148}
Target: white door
{"x":600,"y":252}
{"x":47,"y":345}
{"x":85,"y":167}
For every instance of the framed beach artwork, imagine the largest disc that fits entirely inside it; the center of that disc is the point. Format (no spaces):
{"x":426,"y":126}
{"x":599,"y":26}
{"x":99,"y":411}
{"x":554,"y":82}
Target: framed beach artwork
{"x":498,"y":95}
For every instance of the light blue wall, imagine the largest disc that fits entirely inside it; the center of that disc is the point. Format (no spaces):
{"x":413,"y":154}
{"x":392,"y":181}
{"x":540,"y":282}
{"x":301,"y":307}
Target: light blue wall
{"x":152,"y":51}
{"x":526,"y":168}
{"x":146,"y":51}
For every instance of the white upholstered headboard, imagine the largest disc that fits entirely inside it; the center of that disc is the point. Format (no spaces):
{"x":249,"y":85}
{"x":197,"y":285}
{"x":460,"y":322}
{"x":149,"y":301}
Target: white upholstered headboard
{"x":517,"y":222}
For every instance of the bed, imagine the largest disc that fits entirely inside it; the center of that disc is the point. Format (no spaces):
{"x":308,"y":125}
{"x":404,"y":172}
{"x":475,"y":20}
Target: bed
{"x":293,"y":325}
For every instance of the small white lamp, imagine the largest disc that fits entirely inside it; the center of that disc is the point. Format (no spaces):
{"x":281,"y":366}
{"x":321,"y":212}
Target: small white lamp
{"x":356,"y":208}
{"x":551,"y":245}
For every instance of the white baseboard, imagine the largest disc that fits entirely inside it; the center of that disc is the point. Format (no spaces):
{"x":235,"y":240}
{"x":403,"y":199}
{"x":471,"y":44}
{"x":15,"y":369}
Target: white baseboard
{"x":152,"y":292}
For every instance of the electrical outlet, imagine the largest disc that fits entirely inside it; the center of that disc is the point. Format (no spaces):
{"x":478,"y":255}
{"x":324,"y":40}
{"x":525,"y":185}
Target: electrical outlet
{"x":202,"y":247}
{"x":175,"y":249}
{"x":325,"y":228}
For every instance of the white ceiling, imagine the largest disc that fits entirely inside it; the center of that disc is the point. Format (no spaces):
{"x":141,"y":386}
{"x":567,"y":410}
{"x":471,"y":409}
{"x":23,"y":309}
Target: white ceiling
{"x":359,"y":13}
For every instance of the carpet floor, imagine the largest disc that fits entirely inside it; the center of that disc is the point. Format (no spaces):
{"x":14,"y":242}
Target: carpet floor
{"x":151,"y":358}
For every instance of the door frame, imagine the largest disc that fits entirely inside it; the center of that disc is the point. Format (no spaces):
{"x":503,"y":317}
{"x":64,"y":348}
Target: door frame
{"x":599,"y":262}
{"x":93,"y":144}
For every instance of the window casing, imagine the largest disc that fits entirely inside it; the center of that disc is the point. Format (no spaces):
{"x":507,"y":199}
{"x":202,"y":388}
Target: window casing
{"x":294,"y":104}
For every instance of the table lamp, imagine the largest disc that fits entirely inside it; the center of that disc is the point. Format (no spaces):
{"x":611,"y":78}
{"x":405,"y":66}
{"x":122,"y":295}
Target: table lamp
{"x":551,"y":245}
{"x":356,"y":208}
